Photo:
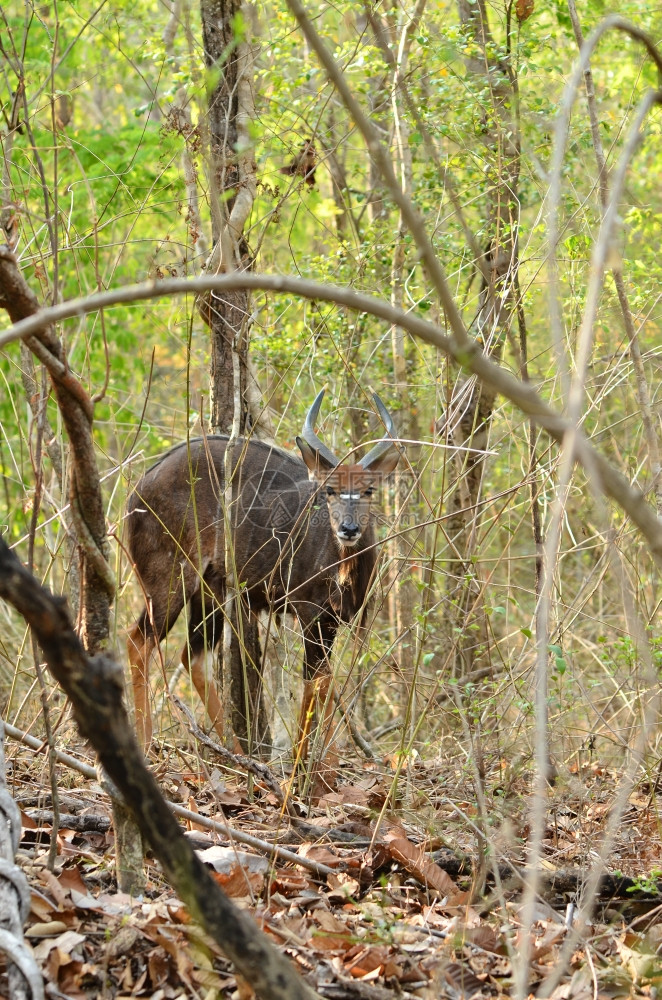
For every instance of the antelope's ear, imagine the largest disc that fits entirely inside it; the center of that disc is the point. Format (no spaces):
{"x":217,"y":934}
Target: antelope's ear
{"x":316,"y":463}
{"x":386,"y":463}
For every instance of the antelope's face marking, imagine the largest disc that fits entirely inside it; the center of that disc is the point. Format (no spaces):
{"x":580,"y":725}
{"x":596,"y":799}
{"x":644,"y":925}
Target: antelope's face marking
{"x":348,"y":490}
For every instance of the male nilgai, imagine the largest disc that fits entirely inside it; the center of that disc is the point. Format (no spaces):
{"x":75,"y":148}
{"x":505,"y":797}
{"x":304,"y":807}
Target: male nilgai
{"x":303,"y":542}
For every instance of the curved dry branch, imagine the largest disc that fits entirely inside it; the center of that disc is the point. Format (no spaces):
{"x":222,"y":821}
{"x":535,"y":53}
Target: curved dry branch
{"x":382,"y":158}
{"x":20,"y":956}
{"x":643,"y":392}
{"x":23,"y":977}
{"x":469,"y":356}
{"x":561,"y":129}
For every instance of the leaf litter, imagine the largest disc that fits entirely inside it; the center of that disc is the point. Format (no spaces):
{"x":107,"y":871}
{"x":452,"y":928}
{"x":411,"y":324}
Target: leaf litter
{"x":402,"y":912}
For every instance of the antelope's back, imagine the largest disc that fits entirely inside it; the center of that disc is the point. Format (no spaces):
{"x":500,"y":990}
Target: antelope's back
{"x":175,"y":513}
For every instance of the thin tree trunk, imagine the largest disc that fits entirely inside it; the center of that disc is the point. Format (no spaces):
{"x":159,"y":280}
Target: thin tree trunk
{"x":87,"y":510}
{"x":97,"y":586}
{"x":470,"y":410}
{"x":401,"y":546}
{"x":234,"y":396}
{"x":233,"y":184}
{"x":181,"y":121}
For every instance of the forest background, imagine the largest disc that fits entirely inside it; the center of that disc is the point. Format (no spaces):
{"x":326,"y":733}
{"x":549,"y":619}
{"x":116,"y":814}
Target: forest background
{"x":107,"y":182}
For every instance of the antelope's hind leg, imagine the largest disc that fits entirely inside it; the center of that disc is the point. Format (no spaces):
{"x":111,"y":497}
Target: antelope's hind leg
{"x":203,"y":636}
{"x":140,"y":646}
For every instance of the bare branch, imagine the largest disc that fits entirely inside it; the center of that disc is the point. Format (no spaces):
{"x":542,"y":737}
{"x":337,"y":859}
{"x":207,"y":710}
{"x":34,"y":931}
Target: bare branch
{"x":468,"y":356}
{"x":382,"y":158}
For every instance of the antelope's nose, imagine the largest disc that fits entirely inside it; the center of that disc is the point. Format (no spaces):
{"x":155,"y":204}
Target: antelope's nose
{"x":349,"y":530}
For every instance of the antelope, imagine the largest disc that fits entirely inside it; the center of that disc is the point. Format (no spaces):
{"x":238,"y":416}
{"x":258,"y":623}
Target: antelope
{"x":303,"y":543}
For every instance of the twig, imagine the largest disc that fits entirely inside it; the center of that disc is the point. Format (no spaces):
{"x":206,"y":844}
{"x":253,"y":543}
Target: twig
{"x":63,"y":758}
{"x":264,"y":846}
{"x":359,"y":740}
{"x":261,"y":771}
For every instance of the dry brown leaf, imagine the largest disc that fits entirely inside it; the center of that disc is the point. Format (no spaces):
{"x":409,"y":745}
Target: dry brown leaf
{"x":361,"y":962}
{"x":320,"y":854}
{"x":239,"y":882}
{"x":176,"y":946}
{"x":289,"y":883}
{"x":462,"y":980}
{"x":415,"y":860}
{"x":41,"y":908}
{"x":64,"y":944}
{"x":63,"y":970}
{"x":483,"y":936}
{"x":47,"y":928}
{"x":524,"y":9}
{"x":344,"y":889}
{"x":159,"y":965}
{"x":330,"y":943}
{"x":72,"y":880}
{"x":366,"y":793}
{"x":431,"y":916}
{"x":27,"y":822}
{"x":348,"y":795}
{"x":191,"y":825}
{"x":109,"y":904}
{"x":543,"y":945}
{"x":231,"y":799}
{"x":294,"y":930}
{"x":51,"y":882}
{"x":357,"y":827}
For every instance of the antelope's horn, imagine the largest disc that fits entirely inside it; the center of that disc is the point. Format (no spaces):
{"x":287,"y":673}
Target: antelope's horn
{"x":382,"y":447}
{"x":309,"y":435}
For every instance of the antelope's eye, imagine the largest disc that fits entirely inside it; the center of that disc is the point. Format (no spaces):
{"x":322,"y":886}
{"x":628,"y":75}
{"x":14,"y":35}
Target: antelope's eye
{"x":369,"y":491}
{"x":330,"y":492}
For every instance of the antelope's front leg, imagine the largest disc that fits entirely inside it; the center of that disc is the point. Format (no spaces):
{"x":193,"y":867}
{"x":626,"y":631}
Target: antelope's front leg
{"x":318,"y":699}
{"x":318,"y":703}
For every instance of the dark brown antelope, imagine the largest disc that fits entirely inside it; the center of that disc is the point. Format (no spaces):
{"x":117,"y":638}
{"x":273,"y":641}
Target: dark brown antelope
{"x":303,"y":543}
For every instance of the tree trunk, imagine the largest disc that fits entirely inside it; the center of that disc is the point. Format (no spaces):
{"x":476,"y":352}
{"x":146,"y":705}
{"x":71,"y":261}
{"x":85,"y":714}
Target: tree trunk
{"x":469,"y":414}
{"x":97,"y":585}
{"x":233,"y":389}
{"x":233,"y":183}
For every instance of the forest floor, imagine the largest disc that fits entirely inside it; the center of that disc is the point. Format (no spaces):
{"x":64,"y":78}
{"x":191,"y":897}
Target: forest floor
{"x":415,"y":896}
